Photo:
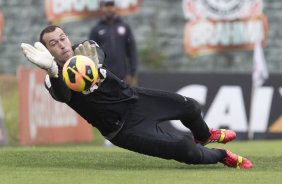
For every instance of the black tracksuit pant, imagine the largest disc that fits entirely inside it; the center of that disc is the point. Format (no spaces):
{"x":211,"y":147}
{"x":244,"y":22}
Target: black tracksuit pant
{"x":141,"y":131}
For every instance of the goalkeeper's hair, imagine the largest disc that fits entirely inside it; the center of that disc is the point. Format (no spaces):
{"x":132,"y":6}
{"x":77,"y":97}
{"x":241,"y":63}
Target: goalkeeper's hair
{"x":47,"y":29}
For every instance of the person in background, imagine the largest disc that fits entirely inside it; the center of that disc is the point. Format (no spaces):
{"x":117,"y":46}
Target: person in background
{"x":115,"y":37}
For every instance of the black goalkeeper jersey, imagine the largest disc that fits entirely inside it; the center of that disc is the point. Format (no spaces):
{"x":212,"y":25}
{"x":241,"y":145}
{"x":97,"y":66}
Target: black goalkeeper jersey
{"x":105,"y":108}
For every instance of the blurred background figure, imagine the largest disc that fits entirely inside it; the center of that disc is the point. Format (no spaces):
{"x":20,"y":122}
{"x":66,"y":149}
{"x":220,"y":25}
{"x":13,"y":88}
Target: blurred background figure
{"x":116,"y":39}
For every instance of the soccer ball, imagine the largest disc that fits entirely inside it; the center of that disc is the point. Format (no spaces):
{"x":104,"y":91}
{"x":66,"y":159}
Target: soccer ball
{"x":80,"y":73}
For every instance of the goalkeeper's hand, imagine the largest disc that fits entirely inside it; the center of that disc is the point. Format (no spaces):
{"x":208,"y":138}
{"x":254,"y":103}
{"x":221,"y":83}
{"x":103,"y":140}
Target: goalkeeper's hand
{"x":41,"y":57}
{"x":102,"y":76}
{"x":89,"y":50}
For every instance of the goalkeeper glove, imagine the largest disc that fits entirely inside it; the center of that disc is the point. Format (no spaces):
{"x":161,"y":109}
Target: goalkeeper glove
{"x":41,"y":57}
{"x":89,"y":50}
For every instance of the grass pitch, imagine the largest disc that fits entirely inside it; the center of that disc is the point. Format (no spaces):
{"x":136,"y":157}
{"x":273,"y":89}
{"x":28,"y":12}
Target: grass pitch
{"x":95,"y":164}
{"x":85,"y":164}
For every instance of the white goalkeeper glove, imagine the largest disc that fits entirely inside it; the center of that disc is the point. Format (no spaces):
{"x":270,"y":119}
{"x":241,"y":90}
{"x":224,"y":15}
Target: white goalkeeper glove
{"x":41,"y":57}
{"x":89,"y":50}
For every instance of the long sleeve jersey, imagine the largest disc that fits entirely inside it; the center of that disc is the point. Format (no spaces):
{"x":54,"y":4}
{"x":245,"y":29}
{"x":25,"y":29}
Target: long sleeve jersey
{"x":117,"y":41}
{"x":105,"y":108}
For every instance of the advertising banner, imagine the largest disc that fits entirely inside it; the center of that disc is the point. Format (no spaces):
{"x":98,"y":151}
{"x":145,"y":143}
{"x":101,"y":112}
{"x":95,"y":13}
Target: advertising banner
{"x":1,"y":26}
{"x":58,"y":11}
{"x":227,"y":100}
{"x":42,"y":120}
{"x":215,"y":26}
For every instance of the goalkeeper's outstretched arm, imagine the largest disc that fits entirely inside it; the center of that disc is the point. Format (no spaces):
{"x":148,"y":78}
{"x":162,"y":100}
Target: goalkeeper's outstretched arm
{"x":57,"y":88}
{"x":40,"y":56}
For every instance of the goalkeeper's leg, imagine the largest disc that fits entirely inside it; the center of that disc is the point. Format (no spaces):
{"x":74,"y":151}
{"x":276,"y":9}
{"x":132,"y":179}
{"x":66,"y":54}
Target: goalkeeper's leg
{"x":182,"y":149}
{"x":167,"y":146}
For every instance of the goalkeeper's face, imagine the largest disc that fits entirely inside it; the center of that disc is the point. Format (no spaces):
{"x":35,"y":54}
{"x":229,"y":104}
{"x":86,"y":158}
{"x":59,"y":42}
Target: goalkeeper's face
{"x":59,"y":45}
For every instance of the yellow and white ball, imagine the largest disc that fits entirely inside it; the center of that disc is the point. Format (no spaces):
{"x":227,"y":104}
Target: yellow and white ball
{"x":80,"y":73}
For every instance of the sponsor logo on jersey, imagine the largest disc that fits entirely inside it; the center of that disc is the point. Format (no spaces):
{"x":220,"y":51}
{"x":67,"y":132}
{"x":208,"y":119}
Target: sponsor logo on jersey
{"x":121,"y":30}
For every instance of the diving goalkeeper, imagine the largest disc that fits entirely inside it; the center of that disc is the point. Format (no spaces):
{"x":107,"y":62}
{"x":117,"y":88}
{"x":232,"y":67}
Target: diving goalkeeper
{"x":130,"y":116}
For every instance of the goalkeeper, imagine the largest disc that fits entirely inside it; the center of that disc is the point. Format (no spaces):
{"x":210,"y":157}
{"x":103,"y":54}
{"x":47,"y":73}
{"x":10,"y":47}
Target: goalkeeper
{"x":129,"y":116}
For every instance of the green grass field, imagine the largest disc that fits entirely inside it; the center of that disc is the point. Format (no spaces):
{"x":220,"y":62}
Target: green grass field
{"x":95,"y":164}
{"x":92,"y":163}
